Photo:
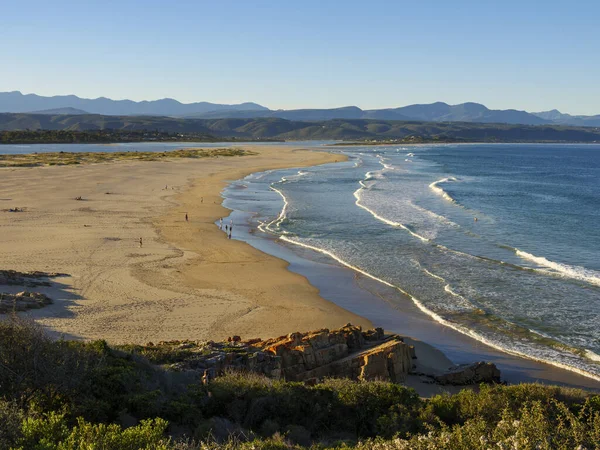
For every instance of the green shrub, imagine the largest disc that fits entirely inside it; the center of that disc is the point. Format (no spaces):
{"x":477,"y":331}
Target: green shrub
{"x":51,"y":432}
{"x":11,"y":418}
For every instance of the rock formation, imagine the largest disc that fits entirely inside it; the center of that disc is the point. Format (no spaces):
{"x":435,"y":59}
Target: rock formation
{"x":464,"y":374}
{"x":22,"y":301}
{"x":29,"y":279}
{"x":347,"y":352}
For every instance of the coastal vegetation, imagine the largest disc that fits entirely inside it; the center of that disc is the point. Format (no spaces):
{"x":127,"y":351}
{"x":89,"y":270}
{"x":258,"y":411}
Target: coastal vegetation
{"x":72,"y":395}
{"x":105,"y":136}
{"x":73,"y":158}
{"x":138,"y":128}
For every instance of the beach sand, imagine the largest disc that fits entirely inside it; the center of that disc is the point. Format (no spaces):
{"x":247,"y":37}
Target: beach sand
{"x":186,"y":281}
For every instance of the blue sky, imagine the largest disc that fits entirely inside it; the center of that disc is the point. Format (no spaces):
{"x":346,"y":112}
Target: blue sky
{"x":532,"y":55}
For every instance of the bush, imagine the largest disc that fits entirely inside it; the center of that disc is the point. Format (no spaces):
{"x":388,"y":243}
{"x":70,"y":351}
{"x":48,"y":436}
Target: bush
{"x":51,"y":432}
{"x":71,"y":395}
{"x":11,"y":418}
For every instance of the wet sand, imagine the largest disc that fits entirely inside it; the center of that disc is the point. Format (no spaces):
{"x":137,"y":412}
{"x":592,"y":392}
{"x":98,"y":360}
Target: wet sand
{"x":388,"y":308}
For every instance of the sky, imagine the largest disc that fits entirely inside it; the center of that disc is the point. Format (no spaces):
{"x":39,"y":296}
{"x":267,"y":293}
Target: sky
{"x":528,"y":55}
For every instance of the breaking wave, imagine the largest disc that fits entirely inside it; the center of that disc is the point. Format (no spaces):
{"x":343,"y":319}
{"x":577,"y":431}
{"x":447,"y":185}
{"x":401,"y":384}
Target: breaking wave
{"x":438,"y":190}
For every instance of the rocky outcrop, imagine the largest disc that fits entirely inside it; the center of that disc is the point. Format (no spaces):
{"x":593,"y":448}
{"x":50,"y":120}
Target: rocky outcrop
{"x":465,"y":374}
{"x":347,"y":352}
{"x":29,"y":279}
{"x":22,"y":301}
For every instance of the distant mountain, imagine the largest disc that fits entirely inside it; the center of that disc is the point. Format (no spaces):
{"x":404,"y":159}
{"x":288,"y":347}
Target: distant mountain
{"x":555,"y":116}
{"x":276,"y":128}
{"x":18,"y":102}
{"x":433,"y":112}
{"x":58,"y":111}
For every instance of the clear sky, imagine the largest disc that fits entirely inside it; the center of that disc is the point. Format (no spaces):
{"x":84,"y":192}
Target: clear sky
{"x":531,"y":55}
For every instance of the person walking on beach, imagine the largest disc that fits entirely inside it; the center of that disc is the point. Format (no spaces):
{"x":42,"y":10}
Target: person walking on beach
{"x":226,"y":228}
{"x":186,"y":217}
{"x":229,"y":233}
{"x":141,"y":243}
{"x":220,"y":223}
{"x":201,"y":199}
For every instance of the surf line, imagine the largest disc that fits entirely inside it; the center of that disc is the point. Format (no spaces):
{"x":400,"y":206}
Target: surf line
{"x":378,"y":217}
{"x":471,"y":333}
{"x":563,"y":270}
{"x":438,"y":190}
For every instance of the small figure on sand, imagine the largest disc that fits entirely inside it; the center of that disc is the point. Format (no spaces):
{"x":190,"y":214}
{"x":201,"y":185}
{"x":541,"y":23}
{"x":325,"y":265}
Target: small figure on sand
{"x":220,"y":223}
{"x":226,"y":229}
{"x":186,"y":217}
{"x":201,"y":199}
{"x":230,"y":233}
{"x":166,"y":187}
{"x":141,"y":242}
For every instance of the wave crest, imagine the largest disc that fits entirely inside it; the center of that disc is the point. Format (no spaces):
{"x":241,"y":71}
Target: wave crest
{"x":575,"y":272}
{"x":438,"y":190}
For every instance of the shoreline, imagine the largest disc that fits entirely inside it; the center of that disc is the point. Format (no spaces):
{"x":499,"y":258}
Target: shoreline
{"x":187,"y":281}
{"x":527,"y":366}
{"x":179,"y":291}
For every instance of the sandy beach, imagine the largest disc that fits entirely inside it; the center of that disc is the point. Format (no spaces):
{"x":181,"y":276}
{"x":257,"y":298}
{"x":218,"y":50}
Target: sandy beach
{"x":186,"y":281}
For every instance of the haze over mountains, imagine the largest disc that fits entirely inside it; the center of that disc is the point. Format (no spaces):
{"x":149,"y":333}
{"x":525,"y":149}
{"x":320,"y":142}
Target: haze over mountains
{"x":16,"y":102}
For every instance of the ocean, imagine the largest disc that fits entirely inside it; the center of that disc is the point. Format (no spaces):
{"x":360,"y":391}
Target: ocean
{"x":500,"y":242}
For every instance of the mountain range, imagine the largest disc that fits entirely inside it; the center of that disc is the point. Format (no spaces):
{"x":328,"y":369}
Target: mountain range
{"x":282,"y":129}
{"x":16,"y":102}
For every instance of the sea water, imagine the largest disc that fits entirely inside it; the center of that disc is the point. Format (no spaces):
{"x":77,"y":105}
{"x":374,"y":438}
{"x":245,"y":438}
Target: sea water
{"x":500,"y":242}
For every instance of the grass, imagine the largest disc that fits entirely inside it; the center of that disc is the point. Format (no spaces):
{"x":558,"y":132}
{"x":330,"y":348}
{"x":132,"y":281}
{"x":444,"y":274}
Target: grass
{"x":75,"y":158}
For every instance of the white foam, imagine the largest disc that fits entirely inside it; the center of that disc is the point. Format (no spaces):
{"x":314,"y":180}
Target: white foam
{"x":438,"y":190}
{"x":466,"y":331}
{"x":448,"y":288}
{"x":434,"y":215}
{"x":575,"y":272}
{"x":380,"y":218}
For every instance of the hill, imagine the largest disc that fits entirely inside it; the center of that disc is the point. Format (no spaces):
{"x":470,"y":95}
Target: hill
{"x":59,"y":111}
{"x":435,"y":112}
{"x":567,"y":119}
{"x":18,"y":102}
{"x":282,"y":129}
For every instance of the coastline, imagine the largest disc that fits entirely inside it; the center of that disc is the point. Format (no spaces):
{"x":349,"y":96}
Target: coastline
{"x":193,"y":283}
{"x":187,"y":281}
{"x":401,"y":319}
